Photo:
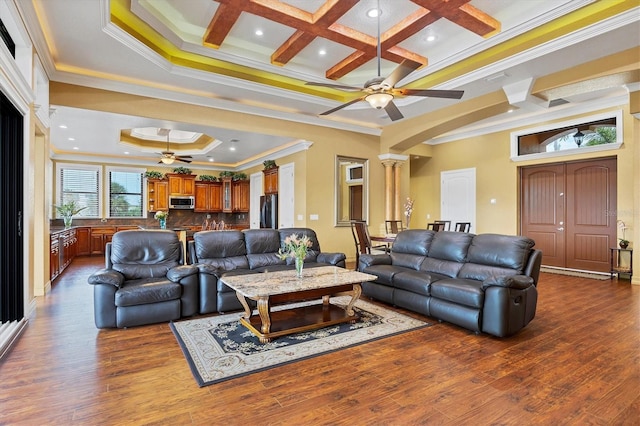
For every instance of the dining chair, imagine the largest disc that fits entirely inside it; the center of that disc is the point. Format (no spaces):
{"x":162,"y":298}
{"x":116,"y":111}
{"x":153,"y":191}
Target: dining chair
{"x":463,"y":226}
{"x":436,"y":226}
{"x":362,"y":240}
{"x":393,"y":226}
{"x":447,"y":224}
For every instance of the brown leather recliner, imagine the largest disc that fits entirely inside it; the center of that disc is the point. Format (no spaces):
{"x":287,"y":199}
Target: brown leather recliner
{"x":144,"y":281}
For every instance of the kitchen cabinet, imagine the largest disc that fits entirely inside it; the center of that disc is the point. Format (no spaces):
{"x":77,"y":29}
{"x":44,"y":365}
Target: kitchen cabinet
{"x":208,"y":197}
{"x":181,"y":184}
{"x":240,"y":196}
{"x":157,"y":195}
{"x":63,"y":249}
{"x":84,"y":241}
{"x":270,"y":180}
{"x":100,"y":236}
{"x":226,"y":195}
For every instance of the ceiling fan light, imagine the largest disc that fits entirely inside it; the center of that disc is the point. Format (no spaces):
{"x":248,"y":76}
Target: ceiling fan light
{"x":167,"y":160}
{"x":379,"y":100}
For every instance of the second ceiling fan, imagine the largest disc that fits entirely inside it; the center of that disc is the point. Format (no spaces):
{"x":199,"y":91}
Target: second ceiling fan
{"x":380,"y":91}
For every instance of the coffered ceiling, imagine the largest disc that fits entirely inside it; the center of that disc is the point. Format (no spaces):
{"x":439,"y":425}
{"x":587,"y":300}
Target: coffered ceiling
{"x":257,"y":56}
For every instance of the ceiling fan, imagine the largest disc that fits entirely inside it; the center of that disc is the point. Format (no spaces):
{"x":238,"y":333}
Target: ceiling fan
{"x":380,"y":91}
{"x":168,"y":157}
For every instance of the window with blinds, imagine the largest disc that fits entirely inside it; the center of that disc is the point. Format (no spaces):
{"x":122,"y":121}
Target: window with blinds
{"x":125,"y":193}
{"x":82,"y":185}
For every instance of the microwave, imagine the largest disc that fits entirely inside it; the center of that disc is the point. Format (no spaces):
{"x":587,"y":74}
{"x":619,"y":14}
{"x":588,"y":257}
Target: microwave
{"x":181,"y":202}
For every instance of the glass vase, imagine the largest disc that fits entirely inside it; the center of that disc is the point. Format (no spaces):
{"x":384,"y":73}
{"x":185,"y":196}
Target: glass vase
{"x":163,"y":223}
{"x":67,"y":221}
{"x":299,"y":266}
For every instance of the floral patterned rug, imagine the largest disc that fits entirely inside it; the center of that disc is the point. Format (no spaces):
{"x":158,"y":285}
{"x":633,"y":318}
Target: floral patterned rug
{"x":219,"y":348}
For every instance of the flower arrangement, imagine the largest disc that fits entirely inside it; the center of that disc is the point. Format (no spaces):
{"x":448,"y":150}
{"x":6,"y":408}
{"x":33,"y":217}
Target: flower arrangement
{"x":296,"y":248}
{"x":69,"y":209}
{"x":161,"y":215}
{"x":408,"y":209}
{"x":623,"y":241}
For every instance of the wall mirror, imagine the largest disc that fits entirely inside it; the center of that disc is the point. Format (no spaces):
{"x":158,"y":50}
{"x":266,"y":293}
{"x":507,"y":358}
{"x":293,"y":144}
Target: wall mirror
{"x":352,"y":189}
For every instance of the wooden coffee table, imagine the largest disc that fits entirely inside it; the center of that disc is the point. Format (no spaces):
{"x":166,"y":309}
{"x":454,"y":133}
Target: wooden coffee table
{"x":276,"y":288}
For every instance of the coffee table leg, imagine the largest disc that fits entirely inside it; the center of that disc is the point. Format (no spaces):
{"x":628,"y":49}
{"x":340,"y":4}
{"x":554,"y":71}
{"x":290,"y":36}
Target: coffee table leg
{"x":245,"y":305}
{"x":357,"y":290}
{"x":264,"y":311}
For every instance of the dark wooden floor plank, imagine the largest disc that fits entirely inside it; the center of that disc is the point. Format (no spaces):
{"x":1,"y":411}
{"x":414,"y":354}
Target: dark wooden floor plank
{"x":577,"y":362}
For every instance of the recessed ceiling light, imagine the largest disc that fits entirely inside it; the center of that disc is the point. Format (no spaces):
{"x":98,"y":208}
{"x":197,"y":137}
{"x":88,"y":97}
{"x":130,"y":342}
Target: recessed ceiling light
{"x":76,"y":148}
{"x":62,"y":126}
{"x":374,"y":13}
{"x":431,"y":38}
{"x":322,"y":52}
{"x":211,"y":159}
{"x":232,"y":148}
{"x":72,"y":139}
{"x":259,"y":32}
{"x":126,"y":152}
{"x":511,"y":110}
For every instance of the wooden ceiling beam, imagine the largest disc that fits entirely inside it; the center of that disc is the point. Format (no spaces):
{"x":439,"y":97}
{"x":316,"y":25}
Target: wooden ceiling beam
{"x":223,"y":20}
{"x":463,"y":14}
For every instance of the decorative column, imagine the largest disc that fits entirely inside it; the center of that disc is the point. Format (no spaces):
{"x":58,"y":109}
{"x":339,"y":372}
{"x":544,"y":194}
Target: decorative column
{"x":388,"y":188}
{"x":392,"y":164}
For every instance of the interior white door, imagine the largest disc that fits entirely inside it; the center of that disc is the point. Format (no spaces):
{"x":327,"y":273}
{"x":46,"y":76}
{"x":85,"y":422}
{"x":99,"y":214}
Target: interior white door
{"x":286,"y":196}
{"x":255,"y":191}
{"x":458,"y":196}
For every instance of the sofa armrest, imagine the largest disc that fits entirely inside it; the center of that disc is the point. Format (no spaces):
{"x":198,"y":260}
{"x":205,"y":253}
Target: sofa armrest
{"x":177,"y":273}
{"x":106,"y":276}
{"x":205,"y":268}
{"x":508,"y":281}
{"x":374,"y":259}
{"x":331,"y":258}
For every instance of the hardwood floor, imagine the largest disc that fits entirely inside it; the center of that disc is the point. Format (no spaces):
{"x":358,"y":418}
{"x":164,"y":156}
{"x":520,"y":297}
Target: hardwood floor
{"x":577,"y":362}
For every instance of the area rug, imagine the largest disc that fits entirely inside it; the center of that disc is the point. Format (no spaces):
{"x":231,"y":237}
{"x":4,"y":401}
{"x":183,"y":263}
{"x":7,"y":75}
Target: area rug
{"x":219,"y":348}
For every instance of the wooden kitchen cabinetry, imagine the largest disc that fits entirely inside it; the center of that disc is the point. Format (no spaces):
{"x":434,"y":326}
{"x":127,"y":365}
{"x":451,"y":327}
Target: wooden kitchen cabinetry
{"x":181,"y":184}
{"x":270,"y":180}
{"x":100,"y":236}
{"x":84,"y":241}
{"x":63,"y":249}
{"x":157,"y":195}
{"x":208,"y":197}
{"x":240,"y":196}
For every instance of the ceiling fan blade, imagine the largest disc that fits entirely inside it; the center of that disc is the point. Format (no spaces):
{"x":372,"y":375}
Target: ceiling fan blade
{"x":393,"y":112}
{"x":335,"y":86}
{"x":182,"y":160}
{"x":183,"y":156}
{"x":342,"y":106}
{"x":404,"y":69}
{"x":451,"y":94}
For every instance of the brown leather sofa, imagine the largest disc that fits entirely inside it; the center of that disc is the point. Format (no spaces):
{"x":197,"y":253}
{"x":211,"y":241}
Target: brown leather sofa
{"x":144,"y":280}
{"x":218,"y":253}
{"x":485,"y":283}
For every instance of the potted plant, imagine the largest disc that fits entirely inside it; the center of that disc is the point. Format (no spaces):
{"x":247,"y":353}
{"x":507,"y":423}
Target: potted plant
{"x":624,"y":243}
{"x":239,"y":176}
{"x":269,"y":164}
{"x":152,"y":174}
{"x":226,"y":174}
{"x":68,"y":210}
{"x":208,"y":178}
{"x":182,"y":170}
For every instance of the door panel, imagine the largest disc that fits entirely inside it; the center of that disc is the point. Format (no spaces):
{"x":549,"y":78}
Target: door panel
{"x":458,"y":196}
{"x":567,"y":208}
{"x":543,"y":210}
{"x":591,"y":199}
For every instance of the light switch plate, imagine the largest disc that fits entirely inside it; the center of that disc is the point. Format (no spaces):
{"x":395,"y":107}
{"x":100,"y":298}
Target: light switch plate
{"x":314,"y":217}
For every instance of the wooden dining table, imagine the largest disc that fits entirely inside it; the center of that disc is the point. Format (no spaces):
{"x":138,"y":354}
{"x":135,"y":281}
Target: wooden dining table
{"x":389,"y":238}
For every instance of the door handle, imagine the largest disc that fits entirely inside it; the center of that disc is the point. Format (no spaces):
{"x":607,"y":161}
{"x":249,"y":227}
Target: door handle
{"x":560,"y":229}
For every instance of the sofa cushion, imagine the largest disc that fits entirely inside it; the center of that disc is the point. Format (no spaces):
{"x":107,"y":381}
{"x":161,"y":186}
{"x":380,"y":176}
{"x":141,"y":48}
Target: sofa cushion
{"x":451,"y":246}
{"x":142,"y":253}
{"x":384,"y":273}
{"x":407,"y":260}
{"x":227,"y":263}
{"x":218,"y":245}
{"x":444,"y":267}
{"x":506,"y":251}
{"x":147,"y":290}
{"x":413,"y":241}
{"x":259,"y":241}
{"x":461,"y":291}
{"x":416,"y":281}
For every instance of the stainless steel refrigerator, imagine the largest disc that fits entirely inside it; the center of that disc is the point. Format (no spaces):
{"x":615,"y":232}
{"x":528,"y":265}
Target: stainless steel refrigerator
{"x":269,"y":211}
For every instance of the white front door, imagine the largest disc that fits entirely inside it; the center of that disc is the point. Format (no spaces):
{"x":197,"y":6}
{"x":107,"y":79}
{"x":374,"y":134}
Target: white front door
{"x":458,"y":197}
{"x":255,"y":191}
{"x":286,"y":196}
